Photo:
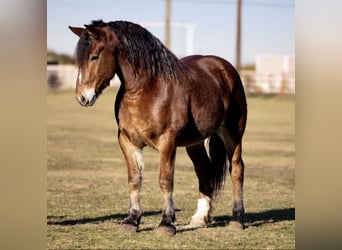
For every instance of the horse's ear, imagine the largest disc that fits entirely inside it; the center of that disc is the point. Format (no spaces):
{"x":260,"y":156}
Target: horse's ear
{"x":77,"y":30}
{"x":94,"y":32}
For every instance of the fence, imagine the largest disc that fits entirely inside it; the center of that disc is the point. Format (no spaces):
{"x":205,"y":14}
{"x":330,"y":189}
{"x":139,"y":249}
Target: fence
{"x":64,"y":77}
{"x":268,"y":83}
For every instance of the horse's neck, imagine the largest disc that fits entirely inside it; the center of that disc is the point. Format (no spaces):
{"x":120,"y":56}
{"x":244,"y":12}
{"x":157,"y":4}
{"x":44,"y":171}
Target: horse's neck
{"x":133,"y":81}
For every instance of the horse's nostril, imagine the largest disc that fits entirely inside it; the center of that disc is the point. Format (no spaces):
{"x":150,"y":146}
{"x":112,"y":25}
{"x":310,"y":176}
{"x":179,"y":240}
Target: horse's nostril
{"x":83,"y":99}
{"x":93,"y":99}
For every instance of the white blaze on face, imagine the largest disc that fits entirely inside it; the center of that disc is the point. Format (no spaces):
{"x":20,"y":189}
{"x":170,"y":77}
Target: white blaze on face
{"x":79,"y":78}
{"x":85,"y":96}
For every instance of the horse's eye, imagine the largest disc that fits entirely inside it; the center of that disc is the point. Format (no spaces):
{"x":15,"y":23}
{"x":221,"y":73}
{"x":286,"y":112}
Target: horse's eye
{"x":94,"y":57}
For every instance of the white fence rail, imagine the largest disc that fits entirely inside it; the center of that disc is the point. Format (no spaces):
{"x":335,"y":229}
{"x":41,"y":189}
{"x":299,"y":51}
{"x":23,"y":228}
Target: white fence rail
{"x":283,"y":83}
{"x":64,"y":77}
{"x":61,"y":76}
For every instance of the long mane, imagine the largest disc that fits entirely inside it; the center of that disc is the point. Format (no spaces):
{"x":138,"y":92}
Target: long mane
{"x":143,"y":51}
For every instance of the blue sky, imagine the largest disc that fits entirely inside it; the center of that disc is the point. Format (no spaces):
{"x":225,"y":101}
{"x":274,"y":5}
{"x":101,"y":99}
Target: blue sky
{"x":268,"y":27}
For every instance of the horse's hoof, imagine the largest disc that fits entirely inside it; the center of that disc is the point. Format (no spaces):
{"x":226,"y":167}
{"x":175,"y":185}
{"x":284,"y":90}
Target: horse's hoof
{"x":235,"y":225}
{"x":169,"y":230}
{"x":196,"y":222}
{"x":128,"y":228}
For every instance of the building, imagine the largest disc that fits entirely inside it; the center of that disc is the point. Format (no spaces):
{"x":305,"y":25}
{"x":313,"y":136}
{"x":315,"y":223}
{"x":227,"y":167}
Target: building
{"x":273,"y":74}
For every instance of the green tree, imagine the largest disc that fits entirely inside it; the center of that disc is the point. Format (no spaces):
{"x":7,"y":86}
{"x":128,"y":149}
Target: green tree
{"x":57,"y":58}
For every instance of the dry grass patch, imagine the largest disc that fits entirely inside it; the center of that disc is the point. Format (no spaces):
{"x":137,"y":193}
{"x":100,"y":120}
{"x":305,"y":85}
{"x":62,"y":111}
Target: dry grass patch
{"x":87,"y":194}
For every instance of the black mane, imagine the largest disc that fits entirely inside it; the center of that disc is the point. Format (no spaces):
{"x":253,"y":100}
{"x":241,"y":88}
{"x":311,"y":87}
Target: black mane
{"x":143,"y":50}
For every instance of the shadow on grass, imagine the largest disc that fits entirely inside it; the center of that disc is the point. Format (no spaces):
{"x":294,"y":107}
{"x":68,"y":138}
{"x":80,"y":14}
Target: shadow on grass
{"x":258,"y":219}
{"x":56,"y":220}
{"x":52,"y":220}
{"x":251,"y":219}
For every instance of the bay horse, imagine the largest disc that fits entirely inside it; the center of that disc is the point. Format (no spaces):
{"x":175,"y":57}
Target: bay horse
{"x":197,"y":102}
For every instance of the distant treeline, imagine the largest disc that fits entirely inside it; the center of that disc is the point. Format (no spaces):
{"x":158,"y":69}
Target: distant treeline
{"x":57,"y":58}
{"x":248,"y":67}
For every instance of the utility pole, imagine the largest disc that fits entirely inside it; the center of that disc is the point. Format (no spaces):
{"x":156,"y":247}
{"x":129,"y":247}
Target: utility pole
{"x":238,"y":36}
{"x":167,"y":23}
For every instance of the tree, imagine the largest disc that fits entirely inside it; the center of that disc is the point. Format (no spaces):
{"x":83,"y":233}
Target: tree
{"x":56,"y":58}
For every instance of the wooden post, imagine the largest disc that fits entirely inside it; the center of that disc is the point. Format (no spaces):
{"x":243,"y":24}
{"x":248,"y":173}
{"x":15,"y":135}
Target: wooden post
{"x":238,"y":36}
{"x":167,"y":23}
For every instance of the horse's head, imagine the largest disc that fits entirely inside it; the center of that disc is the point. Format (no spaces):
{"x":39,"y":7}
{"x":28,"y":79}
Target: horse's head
{"x":95,"y":60}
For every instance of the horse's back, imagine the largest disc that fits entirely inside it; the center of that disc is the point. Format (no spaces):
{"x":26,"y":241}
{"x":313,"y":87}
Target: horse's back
{"x":214,"y":65}
{"x":215,"y":72}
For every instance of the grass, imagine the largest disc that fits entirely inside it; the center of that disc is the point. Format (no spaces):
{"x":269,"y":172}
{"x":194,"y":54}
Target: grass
{"x":87,"y":194}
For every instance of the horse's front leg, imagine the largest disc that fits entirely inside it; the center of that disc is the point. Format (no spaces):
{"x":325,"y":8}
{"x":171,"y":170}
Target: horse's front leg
{"x":134,"y":161}
{"x":167,"y":162}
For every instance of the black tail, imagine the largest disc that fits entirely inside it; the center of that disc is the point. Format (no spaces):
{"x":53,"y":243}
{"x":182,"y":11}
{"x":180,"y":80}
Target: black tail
{"x":218,"y":170}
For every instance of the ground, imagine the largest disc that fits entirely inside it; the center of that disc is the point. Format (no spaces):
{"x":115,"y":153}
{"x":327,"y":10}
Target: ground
{"x":87,"y":192}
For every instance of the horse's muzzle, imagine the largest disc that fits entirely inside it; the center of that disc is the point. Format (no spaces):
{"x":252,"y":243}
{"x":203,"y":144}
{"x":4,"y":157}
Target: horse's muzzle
{"x":87,"y":98}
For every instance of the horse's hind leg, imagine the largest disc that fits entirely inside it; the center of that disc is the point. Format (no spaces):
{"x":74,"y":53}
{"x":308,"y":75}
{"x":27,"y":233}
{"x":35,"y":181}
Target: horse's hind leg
{"x":201,"y":162}
{"x":134,"y":161}
{"x":232,"y":141}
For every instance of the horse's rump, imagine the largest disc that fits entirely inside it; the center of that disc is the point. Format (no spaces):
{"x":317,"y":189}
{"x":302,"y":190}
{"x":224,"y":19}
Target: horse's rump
{"x":212,"y":86}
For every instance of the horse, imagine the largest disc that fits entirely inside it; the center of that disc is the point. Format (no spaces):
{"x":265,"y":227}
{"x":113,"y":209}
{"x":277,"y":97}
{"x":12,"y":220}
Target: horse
{"x":197,"y":102}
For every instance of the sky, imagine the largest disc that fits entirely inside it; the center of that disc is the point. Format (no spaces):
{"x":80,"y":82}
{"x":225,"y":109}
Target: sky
{"x":268,"y":27}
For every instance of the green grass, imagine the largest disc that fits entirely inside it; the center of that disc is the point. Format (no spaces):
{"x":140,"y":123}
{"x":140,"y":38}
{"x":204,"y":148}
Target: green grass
{"x":87,"y":194}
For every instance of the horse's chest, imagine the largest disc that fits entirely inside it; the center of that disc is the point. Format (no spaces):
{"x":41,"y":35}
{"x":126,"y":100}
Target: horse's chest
{"x":139,"y":127}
